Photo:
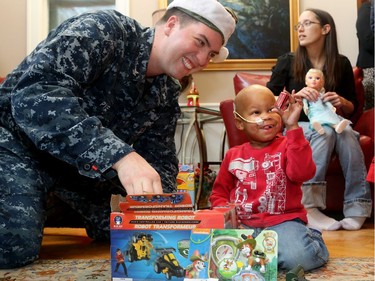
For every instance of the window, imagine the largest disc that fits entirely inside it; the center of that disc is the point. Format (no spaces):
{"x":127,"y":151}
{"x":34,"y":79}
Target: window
{"x":44,"y":15}
{"x":60,"y":10}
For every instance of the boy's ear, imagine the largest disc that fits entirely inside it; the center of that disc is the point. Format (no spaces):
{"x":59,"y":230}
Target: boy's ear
{"x":239,"y":123}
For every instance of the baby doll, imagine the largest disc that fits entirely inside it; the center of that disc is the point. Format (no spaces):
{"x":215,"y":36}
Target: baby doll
{"x":319,"y":112}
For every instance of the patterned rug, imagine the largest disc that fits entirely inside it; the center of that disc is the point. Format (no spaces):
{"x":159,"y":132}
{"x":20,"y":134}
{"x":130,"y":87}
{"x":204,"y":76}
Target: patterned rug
{"x":353,"y":269}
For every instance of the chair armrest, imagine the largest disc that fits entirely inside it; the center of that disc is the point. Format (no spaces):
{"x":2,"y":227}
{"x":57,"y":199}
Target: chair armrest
{"x":365,"y":124}
{"x":359,"y":93}
{"x":365,"y":127}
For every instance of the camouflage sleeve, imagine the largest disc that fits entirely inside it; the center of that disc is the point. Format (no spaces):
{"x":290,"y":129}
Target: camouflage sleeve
{"x":47,"y":101}
{"x":158,"y":147}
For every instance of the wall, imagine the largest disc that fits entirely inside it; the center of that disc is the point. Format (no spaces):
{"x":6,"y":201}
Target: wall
{"x":13,"y":34}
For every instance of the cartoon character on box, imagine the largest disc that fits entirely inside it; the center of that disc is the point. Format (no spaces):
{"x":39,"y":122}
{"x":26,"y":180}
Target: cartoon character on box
{"x":198,"y":264}
{"x":254,"y":257}
{"x":269,"y":243}
{"x":259,"y":258}
{"x":140,"y":248}
{"x":193,"y":96}
{"x":168,"y":264}
{"x":320,"y":112}
{"x":120,"y":260}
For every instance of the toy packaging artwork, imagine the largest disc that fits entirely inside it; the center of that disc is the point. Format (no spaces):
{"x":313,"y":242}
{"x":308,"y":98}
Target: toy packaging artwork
{"x":150,"y":255}
{"x":232,"y":255}
{"x":186,"y":181}
{"x":150,"y":238}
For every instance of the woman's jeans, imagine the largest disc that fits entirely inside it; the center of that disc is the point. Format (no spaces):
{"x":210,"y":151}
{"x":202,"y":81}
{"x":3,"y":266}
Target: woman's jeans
{"x":357,"y":197}
{"x":298,"y":245}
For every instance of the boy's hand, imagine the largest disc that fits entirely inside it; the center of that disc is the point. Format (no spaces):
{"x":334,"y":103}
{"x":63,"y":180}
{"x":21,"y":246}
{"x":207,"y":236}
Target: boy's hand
{"x":291,"y":115}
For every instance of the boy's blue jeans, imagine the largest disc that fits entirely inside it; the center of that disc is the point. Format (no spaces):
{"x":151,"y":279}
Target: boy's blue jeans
{"x":298,"y":245}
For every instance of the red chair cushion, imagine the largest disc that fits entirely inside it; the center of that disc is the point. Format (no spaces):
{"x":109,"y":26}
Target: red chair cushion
{"x":234,"y":136}
{"x":243,"y":79}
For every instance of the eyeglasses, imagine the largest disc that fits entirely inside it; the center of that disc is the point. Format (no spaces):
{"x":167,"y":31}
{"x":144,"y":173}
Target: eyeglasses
{"x":305,"y":24}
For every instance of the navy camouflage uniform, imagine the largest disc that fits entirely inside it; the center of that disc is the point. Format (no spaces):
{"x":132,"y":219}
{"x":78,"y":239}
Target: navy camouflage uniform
{"x":79,"y":101}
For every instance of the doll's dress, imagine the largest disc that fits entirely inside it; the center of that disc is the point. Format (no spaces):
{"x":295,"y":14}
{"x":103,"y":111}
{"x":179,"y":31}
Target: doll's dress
{"x":322,"y":113}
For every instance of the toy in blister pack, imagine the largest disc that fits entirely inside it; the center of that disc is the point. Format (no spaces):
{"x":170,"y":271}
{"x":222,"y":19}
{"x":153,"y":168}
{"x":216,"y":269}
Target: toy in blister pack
{"x":235,"y":255}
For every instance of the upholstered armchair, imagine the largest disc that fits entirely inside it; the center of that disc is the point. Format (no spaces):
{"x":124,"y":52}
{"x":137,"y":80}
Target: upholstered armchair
{"x":363,"y":122}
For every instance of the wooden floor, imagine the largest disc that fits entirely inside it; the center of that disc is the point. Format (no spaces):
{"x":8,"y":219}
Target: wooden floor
{"x":73,"y":243}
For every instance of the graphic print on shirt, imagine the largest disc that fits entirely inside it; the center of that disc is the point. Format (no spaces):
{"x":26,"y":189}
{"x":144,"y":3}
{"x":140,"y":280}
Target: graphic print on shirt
{"x":249,"y":172}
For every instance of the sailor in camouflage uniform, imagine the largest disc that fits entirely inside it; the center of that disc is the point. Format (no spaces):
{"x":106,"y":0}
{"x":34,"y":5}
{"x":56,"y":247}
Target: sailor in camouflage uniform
{"x":95,"y":103}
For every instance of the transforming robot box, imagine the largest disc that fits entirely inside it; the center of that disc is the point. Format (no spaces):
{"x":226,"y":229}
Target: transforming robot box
{"x":150,"y":238}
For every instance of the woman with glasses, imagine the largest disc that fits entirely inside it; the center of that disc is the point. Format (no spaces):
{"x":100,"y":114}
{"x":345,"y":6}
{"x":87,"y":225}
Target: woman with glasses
{"x":318,"y":49}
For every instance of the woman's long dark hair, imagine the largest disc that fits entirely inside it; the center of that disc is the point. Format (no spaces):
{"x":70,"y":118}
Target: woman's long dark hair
{"x":332,"y":68}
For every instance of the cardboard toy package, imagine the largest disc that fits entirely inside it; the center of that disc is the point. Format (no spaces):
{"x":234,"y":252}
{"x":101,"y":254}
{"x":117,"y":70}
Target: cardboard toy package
{"x":150,"y":238}
{"x":186,"y":181}
{"x":232,"y":255}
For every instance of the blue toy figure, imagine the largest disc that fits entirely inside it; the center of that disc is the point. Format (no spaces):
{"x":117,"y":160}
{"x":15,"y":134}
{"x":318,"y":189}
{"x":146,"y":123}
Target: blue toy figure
{"x":319,"y":112}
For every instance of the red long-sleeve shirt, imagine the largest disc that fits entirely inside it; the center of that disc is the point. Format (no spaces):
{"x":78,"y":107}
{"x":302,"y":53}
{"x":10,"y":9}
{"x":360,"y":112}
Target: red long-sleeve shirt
{"x":265,"y":184}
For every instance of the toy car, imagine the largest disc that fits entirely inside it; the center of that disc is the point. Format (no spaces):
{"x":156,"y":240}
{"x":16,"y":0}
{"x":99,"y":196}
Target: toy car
{"x":140,"y":247}
{"x":159,"y":199}
{"x":176,"y":198}
{"x":168,"y":264}
{"x":139,"y":198}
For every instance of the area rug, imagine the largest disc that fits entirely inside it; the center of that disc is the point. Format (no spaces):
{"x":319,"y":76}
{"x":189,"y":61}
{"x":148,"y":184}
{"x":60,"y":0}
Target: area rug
{"x":353,"y":269}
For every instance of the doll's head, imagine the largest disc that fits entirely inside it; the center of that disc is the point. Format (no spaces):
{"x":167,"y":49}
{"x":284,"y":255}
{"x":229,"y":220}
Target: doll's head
{"x":315,"y":79}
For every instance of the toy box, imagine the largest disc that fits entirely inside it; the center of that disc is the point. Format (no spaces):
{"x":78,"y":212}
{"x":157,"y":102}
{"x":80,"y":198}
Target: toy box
{"x":150,"y":238}
{"x":232,"y":254}
{"x":204,"y":191}
{"x":186,"y":181}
